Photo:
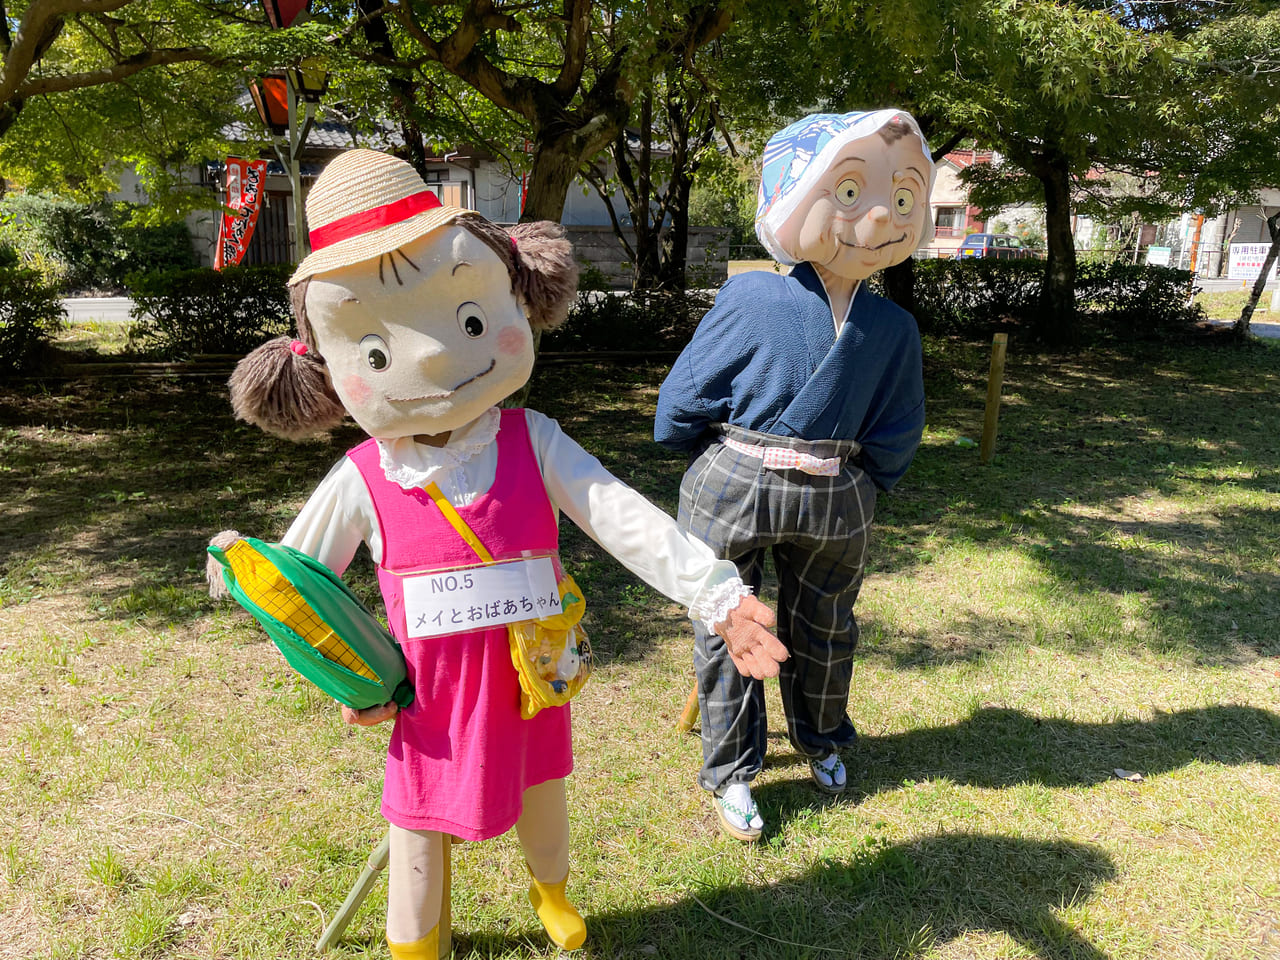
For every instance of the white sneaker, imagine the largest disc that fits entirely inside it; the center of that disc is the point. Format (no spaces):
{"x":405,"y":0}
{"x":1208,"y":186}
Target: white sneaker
{"x":828,"y":773}
{"x":737,"y":812}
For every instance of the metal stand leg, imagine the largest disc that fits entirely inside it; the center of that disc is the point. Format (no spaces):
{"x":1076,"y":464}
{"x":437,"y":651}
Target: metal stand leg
{"x":446,"y":896}
{"x":368,"y":877}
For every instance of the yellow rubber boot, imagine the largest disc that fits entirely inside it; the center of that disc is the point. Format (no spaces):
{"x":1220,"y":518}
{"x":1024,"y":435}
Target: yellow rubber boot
{"x":564,"y":925}
{"x":428,"y":948}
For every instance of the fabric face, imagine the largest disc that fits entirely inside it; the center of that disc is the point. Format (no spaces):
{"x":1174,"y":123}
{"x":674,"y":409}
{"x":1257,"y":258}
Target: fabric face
{"x":797,"y":156}
{"x":866,"y":211}
{"x":423,"y":340}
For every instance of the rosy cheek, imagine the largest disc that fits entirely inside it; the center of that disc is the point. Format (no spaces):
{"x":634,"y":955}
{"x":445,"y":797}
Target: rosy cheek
{"x":356,"y":389}
{"x":512,"y":341}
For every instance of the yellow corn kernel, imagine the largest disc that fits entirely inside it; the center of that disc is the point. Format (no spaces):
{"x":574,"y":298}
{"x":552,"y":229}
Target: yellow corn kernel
{"x":267,"y":588}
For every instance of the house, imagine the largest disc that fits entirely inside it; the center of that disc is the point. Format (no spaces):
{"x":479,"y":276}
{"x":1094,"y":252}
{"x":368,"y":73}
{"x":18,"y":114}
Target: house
{"x":953,"y":217}
{"x":466,"y":176}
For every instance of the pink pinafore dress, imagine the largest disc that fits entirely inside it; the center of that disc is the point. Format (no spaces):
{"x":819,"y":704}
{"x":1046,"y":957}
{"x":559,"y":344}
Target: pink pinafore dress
{"x":460,"y":756}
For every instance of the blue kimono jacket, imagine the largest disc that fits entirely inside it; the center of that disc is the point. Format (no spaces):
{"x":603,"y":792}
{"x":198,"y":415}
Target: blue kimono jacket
{"x":766,"y":357}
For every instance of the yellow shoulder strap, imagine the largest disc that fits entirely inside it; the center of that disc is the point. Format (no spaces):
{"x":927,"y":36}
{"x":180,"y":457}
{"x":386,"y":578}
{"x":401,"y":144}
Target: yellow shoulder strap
{"x":456,"y":521}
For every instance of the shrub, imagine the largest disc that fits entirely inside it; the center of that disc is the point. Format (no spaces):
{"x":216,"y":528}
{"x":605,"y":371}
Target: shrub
{"x":183,"y":312}
{"x":1135,"y":300}
{"x":603,"y":320}
{"x":30,"y":314}
{"x":81,"y":247}
{"x":975,"y":296}
{"x":972,"y":296}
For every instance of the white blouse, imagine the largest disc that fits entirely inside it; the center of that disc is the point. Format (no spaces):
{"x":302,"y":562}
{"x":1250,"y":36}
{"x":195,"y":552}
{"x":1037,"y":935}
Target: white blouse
{"x":340,"y":514}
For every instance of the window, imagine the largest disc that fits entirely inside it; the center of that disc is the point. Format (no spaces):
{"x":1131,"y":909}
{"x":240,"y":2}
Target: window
{"x":950,"y":216}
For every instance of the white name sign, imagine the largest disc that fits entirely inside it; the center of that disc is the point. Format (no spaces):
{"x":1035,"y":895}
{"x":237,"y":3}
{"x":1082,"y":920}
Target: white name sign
{"x":458,"y":600}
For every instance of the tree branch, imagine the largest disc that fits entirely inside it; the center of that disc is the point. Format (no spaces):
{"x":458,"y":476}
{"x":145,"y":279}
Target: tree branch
{"x":119,"y":71}
{"x":577,"y":15}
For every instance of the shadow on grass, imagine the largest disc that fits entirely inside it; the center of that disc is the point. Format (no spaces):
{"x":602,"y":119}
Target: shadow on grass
{"x":113,"y":487}
{"x":896,"y":901}
{"x":998,"y":747}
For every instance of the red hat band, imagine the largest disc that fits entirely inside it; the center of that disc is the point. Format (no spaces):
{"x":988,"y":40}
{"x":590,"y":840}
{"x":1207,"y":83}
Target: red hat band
{"x":374,"y":219}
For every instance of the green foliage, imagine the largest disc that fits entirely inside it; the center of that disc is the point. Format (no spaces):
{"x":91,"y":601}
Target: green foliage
{"x":725,"y":196}
{"x":1136,"y":300}
{"x":95,"y":246}
{"x":30,"y":314}
{"x":977,"y":296}
{"x":150,"y":84}
{"x":650,"y":321}
{"x":179,"y":313}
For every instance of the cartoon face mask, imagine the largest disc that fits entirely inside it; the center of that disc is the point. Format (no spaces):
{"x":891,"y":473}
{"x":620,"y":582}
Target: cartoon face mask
{"x":849,"y":192}
{"x":422,"y":340}
{"x":865,"y":211}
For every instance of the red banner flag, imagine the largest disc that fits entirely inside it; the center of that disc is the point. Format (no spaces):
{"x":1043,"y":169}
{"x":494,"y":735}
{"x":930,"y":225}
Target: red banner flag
{"x":245,"y":182}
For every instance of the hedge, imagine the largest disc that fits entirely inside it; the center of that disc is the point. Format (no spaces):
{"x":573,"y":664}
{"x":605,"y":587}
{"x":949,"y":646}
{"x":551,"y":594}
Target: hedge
{"x":90,"y":246}
{"x":30,"y":314}
{"x":179,"y":313}
{"x":1112,"y":299}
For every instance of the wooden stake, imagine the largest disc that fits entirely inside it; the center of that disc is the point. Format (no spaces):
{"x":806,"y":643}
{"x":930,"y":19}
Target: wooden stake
{"x":690,"y":715}
{"x":995,"y":380}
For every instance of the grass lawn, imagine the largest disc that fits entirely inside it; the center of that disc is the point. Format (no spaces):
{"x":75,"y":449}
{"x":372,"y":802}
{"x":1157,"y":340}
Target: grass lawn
{"x":1104,"y":596}
{"x":1227,"y":304}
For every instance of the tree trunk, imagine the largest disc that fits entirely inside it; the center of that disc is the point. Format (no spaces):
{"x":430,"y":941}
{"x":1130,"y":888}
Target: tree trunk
{"x":1241,"y":327}
{"x":638,"y":189}
{"x":404,"y":92}
{"x":555,"y":163}
{"x":675,"y":243}
{"x":1057,"y":322}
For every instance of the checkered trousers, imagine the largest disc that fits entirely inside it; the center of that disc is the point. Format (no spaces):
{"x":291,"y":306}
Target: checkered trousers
{"x":816,"y":529}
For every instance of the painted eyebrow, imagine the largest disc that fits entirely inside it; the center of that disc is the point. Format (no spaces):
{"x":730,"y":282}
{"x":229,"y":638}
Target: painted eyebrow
{"x":391,"y":259}
{"x":460,"y":263}
{"x":848,"y":160}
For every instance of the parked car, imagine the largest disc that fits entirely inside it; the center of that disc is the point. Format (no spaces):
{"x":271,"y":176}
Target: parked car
{"x":1000,"y":245}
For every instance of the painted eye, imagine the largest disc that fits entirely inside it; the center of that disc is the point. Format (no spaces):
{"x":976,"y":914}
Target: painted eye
{"x":376,"y":352}
{"x":903,"y":200}
{"x":472,"y":320}
{"x":847,"y":192}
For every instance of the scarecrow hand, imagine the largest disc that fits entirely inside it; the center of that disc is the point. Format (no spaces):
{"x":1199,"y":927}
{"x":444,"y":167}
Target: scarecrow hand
{"x":369,"y":716}
{"x":754,"y":650}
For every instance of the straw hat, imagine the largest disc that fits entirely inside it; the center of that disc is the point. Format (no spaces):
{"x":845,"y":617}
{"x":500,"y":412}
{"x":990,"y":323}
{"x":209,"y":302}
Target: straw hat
{"x":365,"y":204}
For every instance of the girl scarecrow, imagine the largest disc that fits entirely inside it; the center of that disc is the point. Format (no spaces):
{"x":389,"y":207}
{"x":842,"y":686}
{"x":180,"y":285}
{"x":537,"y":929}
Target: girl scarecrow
{"x":798,"y":397}
{"x":416,"y":319}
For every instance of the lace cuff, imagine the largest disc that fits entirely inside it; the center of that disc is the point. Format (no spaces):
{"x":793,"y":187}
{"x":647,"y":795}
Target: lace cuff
{"x":716,"y":602}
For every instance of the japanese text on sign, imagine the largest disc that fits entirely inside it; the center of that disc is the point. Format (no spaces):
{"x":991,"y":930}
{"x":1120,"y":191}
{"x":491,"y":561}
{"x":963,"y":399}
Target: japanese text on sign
{"x":1246,"y":261}
{"x":454,"y":601}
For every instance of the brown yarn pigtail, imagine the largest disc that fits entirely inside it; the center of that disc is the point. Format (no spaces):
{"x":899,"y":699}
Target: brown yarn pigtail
{"x":283,"y":390}
{"x":546,"y":272}
{"x":540,"y":261}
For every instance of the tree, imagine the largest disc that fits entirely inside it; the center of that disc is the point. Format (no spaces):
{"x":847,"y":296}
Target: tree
{"x":1234,"y":122}
{"x":77,"y":70}
{"x":564,"y":71}
{"x":655,"y":161}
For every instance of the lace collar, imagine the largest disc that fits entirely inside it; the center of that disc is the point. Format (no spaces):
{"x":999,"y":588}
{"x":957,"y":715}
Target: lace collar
{"x":411,"y":465}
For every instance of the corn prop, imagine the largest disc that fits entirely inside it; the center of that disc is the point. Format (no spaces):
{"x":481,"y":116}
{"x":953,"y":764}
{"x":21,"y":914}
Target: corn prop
{"x":323,"y":630}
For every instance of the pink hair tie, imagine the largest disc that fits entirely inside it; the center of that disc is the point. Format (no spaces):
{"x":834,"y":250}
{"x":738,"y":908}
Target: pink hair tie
{"x":298,"y":347}
{"x":514,"y":245}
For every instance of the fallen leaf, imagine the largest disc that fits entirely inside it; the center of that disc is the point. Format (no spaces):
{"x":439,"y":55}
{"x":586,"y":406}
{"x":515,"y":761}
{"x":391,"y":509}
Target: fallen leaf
{"x":1127,"y":775}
